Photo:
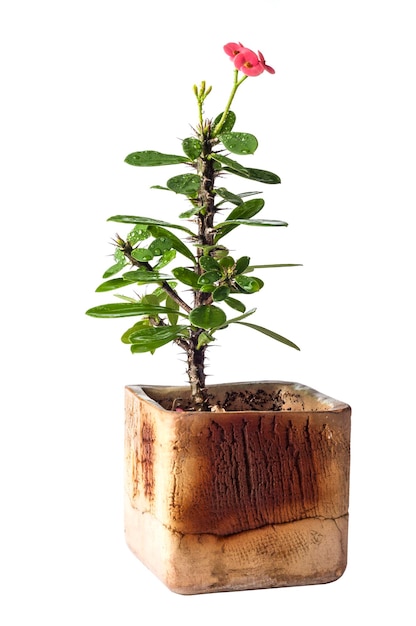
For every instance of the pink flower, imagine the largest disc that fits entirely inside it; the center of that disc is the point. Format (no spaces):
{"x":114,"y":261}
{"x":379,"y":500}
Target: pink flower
{"x":247,"y":61}
{"x":232,"y":49}
{"x":266,"y":67}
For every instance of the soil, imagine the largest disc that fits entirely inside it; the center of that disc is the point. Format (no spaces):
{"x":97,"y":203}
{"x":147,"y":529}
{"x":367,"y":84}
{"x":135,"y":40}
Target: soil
{"x":242,"y":400}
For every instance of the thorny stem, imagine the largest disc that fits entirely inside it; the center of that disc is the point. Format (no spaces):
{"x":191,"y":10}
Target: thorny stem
{"x":205,"y":224}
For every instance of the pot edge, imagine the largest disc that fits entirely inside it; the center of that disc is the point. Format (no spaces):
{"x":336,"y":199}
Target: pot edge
{"x":327,"y":403}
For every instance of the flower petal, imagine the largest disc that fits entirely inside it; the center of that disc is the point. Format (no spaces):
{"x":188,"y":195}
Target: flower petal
{"x":232,"y":49}
{"x":247,"y":61}
{"x":268,"y":68}
{"x":252,"y":70}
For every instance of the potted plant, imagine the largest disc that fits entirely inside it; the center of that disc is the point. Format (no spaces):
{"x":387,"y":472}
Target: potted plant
{"x":231,"y":486}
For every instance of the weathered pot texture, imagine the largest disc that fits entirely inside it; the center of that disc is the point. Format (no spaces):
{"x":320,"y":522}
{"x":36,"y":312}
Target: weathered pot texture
{"x":254,"y":497}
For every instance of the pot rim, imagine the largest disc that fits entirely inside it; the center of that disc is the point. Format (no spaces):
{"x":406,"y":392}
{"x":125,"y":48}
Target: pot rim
{"x":324,"y":402}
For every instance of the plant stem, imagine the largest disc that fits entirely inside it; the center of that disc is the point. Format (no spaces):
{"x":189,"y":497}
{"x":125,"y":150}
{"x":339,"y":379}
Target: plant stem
{"x":205,"y":223}
{"x":236,"y":85}
{"x":196,"y":373}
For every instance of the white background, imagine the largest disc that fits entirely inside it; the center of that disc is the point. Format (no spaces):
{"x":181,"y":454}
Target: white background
{"x":83,"y":84}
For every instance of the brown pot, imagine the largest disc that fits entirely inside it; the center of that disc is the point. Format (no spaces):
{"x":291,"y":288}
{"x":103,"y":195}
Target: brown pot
{"x":250,"y":498}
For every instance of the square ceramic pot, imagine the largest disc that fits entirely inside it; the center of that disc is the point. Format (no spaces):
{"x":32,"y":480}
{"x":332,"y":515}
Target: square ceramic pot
{"x":249,"y":498}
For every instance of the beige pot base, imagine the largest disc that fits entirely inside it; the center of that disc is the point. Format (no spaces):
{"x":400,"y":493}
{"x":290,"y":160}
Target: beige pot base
{"x":275,"y":556}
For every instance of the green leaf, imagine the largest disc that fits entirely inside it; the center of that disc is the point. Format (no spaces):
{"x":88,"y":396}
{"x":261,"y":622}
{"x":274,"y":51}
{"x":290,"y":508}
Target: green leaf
{"x":160,"y":294}
{"x":172,"y":317}
{"x":127,"y":309}
{"x":209,"y":278}
{"x":206,"y":288}
{"x":114,"y":283}
{"x":139,"y":233}
{"x":208,"y":263}
{"x":270,"y":333}
{"x":154,"y":337}
{"x":260,"y":282}
{"x":250,"y":223}
{"x":125,"y":338}
{"x":229,"y":122}
{"x":125,"y":298}
{"x":235,"y":304}
{"x":261,"y":176}
{"x":114,"y":269}
{"x":119,"y":256}
{"x":160,"y":245}
{"x":187,"y":184}
{"x":248,"y":284}
{"x":227,"y":262}
{"x":242,"y":264}
{"x":221,"y":293}
{"x":203,"y":339}
{"x":235,"y":320}
{"x":177,"y":244}
{"x":150,"y":299}
{"x":230,"y":164}
{"x":146,"y":276}
{"x":186,"y":276}
{"x":239,"y":143}
{"x":189,"y":212}
{"x":244,"y":194}
{"x":166,"y":258}
{"x":142,"y":254}
{"x":192,"y":147}
{"x":207,"y":316}
{"x":150,"y":158}
{"x":248,"y":209}
{"x":228,"y":196}
{"x":135,"y":219}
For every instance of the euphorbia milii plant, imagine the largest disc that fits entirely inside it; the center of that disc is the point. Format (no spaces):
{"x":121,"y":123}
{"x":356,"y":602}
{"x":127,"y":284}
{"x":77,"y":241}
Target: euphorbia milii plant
{"x":194,"y":288}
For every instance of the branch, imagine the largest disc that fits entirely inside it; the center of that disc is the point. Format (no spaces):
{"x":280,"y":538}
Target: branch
{"x":127,"y":249}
